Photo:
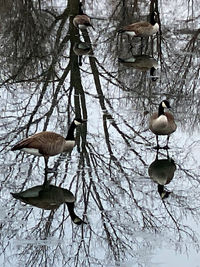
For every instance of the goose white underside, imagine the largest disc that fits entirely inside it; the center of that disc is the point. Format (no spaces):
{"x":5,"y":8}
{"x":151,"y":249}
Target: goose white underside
{"x":82,"y":26}
{"x":161,"y":121}
{"x":32,"y":151}
{"x":130,"y":33}
{"x":130,"y":60}
{"x":69,"y":145}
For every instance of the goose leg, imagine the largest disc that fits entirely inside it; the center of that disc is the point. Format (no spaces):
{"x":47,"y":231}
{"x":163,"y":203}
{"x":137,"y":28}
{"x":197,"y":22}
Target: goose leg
{"x":157,"y":146}
{"x":131,"y":46}
{"x":46,"y":163}
{"x":157,"y":150}
{"x":167,"y":147}
{"x":80,"y":60}
{"x":142,"y":45}
{"x":47,"y":169}
{"x":167,"y":154}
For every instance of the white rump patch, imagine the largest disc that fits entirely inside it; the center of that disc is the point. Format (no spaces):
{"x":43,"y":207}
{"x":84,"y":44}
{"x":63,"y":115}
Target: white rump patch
{"x":32,"y":151}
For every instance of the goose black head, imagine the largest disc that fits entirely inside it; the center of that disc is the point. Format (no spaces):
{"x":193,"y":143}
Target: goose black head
{"x":153,"y":17}
{"x":162,"y":192}
{"x":165,"y":104}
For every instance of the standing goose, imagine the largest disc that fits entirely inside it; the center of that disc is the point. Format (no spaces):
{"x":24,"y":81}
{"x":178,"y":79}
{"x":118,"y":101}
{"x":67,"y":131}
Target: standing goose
{"x":82,"y":21}
{"x":49,"y":197}
{"x":49,"y":144}
{"x":142,"y":63}
{"x":142,"y":28}
{"x":162,"y":123}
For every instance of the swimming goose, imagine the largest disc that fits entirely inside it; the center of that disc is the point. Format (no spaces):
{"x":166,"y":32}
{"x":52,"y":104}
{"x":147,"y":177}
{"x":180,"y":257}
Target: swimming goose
{"x":162,"y":123}
{"x":142,"y":28}
{"x":49,"y":197}
{"x":82,"y":21}
{"x":49,"y":144}
{"x":161,"y":171}
{"x":142,"y":63}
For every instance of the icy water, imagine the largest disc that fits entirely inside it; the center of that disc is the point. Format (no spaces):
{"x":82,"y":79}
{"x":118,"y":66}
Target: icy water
{"x":111,"y":171}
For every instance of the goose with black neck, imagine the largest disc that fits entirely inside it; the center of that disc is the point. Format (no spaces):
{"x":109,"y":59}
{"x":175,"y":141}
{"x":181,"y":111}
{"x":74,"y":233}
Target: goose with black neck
{"x":48,"y":144}
{"x":162,"y":123}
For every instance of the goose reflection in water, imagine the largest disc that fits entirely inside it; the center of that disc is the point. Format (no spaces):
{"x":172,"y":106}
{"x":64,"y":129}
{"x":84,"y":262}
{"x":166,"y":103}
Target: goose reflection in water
{"x":81,"y":49}
{"x":49,"y":197}
{"x":161,"y":171}
{"x":142,"y":63}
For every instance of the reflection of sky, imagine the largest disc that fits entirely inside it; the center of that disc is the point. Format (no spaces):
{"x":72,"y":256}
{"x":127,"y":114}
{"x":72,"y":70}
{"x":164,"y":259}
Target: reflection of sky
{"x":158,"y":249}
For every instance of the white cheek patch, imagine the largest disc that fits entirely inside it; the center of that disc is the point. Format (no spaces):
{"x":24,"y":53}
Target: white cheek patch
{"x":155,"y":28}
{"x":77,"y":122}
{"x":32,"y":151}
{"x":163,"y":105}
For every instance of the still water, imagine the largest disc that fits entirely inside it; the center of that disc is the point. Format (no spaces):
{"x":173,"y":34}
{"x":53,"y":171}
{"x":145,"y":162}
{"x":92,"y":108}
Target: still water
{"x":108,"y":178}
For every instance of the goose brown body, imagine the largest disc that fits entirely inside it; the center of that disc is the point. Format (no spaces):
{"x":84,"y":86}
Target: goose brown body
{"x":140,"y":29}
{"x":162,"y":171}
{"x":163,"y":124}
{"x":82,"y":22}
{"x":140,"y":62}
{"x":49,"y":197}
{"x":49,"y":144}
{"x":45,"y":144}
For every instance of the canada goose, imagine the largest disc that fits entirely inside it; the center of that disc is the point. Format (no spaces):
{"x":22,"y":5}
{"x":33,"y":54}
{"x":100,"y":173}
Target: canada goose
{"x":161,"y":171}
{"x":142,"y":63}
{"x":49,"y":144}
{"x":142,"y":28}
{"x":49,"y":197}
{"x":162,"y":123}
{"x":82,"y":48}
{"x":82,"y":21}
